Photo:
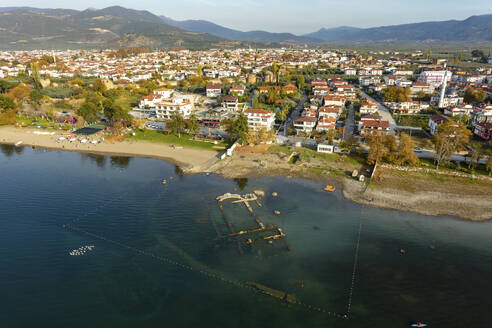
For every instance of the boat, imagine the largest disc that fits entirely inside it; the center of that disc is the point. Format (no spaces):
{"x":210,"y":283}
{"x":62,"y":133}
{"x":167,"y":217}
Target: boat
{"x":329,"y":188}
{"x":18,"y":143}
{"x":418,"y":325}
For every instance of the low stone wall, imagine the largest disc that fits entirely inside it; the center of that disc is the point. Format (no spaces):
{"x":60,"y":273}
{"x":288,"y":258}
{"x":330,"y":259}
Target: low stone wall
{"x":425,"y":170}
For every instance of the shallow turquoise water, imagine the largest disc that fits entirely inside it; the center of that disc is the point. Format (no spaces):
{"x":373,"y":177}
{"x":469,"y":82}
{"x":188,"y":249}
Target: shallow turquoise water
{"x":158,"y":261}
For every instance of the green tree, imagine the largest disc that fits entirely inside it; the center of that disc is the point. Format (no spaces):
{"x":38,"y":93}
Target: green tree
{"x":36,"y":76}
{"x":450,"y":137}
{"x":472,"y":95}
{"x":238,"y":130}
{"x":115,"y":112}
{"x":480,"y":55}
{"x":36,"y":97}
{"x":89,"y":111}
{"x":99,"y":86}
{"x":255,"y":102}
{"x":275,"y":71}
{"x":6,"y":103}
{"x":177,"y":124}
{"x":5,"y":85}
{"x":272,"y":96}
{"x":300,"y":81}
{"x":193,"y":126}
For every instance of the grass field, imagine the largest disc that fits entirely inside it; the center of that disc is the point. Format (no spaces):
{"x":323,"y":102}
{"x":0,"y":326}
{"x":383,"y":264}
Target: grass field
{"x":127,"y":101}
{"x":184,"y":141}
{"x":26,"y":121}
{"x":418,"y":121}
{"x":308,"y":155}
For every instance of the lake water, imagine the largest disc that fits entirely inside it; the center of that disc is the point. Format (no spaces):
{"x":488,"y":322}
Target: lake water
{"x":159,"y":260}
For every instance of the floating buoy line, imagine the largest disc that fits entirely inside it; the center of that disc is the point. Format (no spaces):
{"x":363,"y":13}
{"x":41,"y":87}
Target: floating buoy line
{"x":211,"y":275}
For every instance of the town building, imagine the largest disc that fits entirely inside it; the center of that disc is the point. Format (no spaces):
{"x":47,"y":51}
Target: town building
{"x":260,"y":119}
{"x":230,"y":103}
{"x":305,"y":124}
{"x":368,"y":106}
{"x":458,"y":110}
{"x":434,"y":77}
{"x":165,"y":108}
{"x":483,"y":130}
{"x":371,"y":124}
{"x":435,"y":121}
{"x":326,"y":123}
{"x":237,"y":91}
{"x":214,"y":90}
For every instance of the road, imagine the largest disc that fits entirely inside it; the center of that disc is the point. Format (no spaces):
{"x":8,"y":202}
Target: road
{"x":429,"y":154}
{"x":251,"y":96}
{"x":284,"y":128}
{"x":349,"y":122}
{"x":383,"y":111}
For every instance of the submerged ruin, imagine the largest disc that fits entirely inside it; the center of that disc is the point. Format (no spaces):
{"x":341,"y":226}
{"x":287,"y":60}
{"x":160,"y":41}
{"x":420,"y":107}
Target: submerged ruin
{"x":252,"y":239}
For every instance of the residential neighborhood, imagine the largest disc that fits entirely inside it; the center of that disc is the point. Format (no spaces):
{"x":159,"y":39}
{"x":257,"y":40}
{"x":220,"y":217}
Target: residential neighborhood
{"x":298,"y":93}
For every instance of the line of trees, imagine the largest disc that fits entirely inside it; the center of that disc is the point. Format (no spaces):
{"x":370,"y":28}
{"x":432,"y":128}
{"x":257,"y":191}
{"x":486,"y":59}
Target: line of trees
{"x":385,"y":148}
{"x":178,"y":125}
{"x":396,"y":94}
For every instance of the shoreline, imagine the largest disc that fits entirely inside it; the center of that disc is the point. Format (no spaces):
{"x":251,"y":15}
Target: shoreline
{"x":190,"y":159}
{"x":193,"y":161}
{"x":425,"y":203}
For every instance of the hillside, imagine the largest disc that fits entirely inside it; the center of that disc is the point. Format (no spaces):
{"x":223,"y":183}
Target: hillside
{"x":29,"y":28}
{"x":475,"y":28}
{"x":32,"y":28}
{"x":231,"y":34}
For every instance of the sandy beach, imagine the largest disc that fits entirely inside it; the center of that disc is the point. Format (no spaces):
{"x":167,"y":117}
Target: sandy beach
{"x":190,"y":159}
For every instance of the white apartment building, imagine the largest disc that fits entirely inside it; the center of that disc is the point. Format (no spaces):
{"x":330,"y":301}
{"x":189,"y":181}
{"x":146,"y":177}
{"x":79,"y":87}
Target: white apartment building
{"x":214,"y":90}
{"x":259,"y":119}
{"x":434,"y":77}
{"x":167,"y":107}
{"x":305,"y":124}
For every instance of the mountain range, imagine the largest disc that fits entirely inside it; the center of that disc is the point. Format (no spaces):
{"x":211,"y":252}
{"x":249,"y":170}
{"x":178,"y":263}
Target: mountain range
{"x":474,"y":28}
{"x":114,"y":27}
{"x":230,"y":34}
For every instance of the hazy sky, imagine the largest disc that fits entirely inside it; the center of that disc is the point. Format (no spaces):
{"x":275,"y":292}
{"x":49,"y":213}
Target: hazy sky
{"x":296,"y":16}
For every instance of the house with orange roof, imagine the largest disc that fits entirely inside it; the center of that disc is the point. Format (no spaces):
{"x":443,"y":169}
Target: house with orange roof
{"x":214,"y":90}
{"x":289,"y":88}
